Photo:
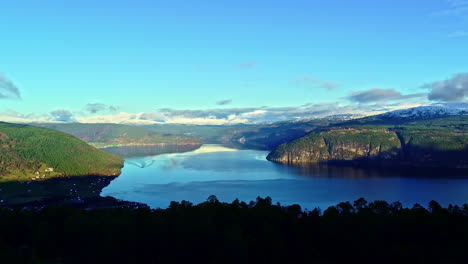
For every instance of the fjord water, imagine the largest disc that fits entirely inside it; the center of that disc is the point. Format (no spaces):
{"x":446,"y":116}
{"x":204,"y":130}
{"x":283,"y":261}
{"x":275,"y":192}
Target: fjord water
{"x":158,"y":179}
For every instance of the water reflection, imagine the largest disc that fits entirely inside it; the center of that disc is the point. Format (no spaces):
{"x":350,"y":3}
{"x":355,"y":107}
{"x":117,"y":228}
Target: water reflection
{"x":246,"y":174}
{"x":158,"y":175}
{"x":140,"y":163}
{"x":358,"y":172}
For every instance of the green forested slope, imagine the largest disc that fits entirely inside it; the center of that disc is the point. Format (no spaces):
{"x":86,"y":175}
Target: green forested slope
{"x":439,"y":142}
{"x":26,"y":152}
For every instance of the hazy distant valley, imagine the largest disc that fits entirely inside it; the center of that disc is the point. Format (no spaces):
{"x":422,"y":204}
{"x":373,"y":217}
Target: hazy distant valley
{"x":416,"y":137}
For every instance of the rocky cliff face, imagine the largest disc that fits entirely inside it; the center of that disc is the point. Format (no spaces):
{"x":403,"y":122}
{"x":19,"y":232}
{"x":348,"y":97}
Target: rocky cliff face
{"x":339,"y":145}
{"x":377,"y":146}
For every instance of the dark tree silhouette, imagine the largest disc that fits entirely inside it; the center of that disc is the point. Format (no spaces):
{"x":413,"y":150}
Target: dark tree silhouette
{"x":237,"y":232}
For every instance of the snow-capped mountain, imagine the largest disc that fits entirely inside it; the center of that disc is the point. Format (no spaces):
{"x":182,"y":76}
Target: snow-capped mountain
{"x":430,"y":111}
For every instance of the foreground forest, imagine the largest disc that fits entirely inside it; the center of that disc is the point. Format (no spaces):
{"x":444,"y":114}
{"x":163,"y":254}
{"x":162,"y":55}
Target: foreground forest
{"x":237,"y":232}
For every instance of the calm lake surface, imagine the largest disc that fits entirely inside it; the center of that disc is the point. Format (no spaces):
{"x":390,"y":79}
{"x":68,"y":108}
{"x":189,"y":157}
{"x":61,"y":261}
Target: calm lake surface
{"x":158,"y":179}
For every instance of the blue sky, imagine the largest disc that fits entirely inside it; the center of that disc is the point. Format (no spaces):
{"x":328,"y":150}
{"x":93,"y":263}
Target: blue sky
{"x":140,"y":56}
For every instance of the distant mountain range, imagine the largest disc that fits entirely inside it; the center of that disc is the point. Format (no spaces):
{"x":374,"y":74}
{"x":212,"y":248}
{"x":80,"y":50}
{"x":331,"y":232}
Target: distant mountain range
{"x":426,"y":136}
{"x":430,"y":111}
{"x":269,"y":136}
{"x":246,"y":136}
{"x":115,"y":135}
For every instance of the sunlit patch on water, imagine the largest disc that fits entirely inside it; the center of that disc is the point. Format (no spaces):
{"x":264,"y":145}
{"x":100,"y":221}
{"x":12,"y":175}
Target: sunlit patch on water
{"x":245,"y":174}
{"x":210,"y":148}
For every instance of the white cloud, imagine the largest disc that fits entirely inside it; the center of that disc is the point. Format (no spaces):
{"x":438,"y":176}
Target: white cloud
{"x":220,"y":116}
{"x":16,"y":117}
{"x":231,"y":120}
{"x":142,"y":119}
{"x":255,"y":113}
{"x":121,"y":118}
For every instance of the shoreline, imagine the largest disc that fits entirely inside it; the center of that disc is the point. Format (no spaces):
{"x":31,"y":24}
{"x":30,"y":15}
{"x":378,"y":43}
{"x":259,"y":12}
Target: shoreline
{"x":76,"y":191}
{"x":98,"y":146}
{"x":366,"y":165}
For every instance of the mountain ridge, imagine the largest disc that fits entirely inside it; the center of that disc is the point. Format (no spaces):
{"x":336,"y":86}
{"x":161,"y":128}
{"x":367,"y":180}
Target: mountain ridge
{"x":113,"y":135}
{"x":430,"y":111}
{"x":437,"y":139}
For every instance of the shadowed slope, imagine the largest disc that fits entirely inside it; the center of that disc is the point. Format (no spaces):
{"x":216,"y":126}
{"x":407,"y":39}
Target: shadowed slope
{"x":440,"y":142}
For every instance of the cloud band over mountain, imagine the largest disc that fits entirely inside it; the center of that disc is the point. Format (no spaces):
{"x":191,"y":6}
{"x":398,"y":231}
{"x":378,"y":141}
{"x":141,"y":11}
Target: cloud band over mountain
{"x":98,"y":107}
{"x":232,"y":116}
{"x":381,"y":95}
{"x":454,"y":89}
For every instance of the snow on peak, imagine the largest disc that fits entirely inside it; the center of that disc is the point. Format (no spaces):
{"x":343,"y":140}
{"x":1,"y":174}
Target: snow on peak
{"x":429,"y":111}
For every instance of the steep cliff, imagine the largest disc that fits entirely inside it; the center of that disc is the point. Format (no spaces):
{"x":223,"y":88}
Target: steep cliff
{"x":379,"y":145}
{"x":339,"y":144}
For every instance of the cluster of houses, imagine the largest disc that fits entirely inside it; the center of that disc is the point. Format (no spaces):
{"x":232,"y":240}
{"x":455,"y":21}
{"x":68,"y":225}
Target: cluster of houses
{"x":39,"y":176}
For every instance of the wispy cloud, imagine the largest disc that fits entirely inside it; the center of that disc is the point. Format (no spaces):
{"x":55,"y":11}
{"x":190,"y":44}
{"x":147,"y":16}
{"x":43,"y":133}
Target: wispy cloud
{"x":380,"y":95}
{"x":454,"y":7}
{"x":458,"y":34}
{"x":454,"y":89}
{"x":98,"y":107}
{"x":309,"y":81}
{"x":224,"y":102}
{"x":16,"y":117}
{"x":8,"y":90}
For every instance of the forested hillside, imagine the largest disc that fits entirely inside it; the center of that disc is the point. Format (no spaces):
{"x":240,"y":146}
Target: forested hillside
{"x":436,"y":142}
{"x":28,"y":152}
